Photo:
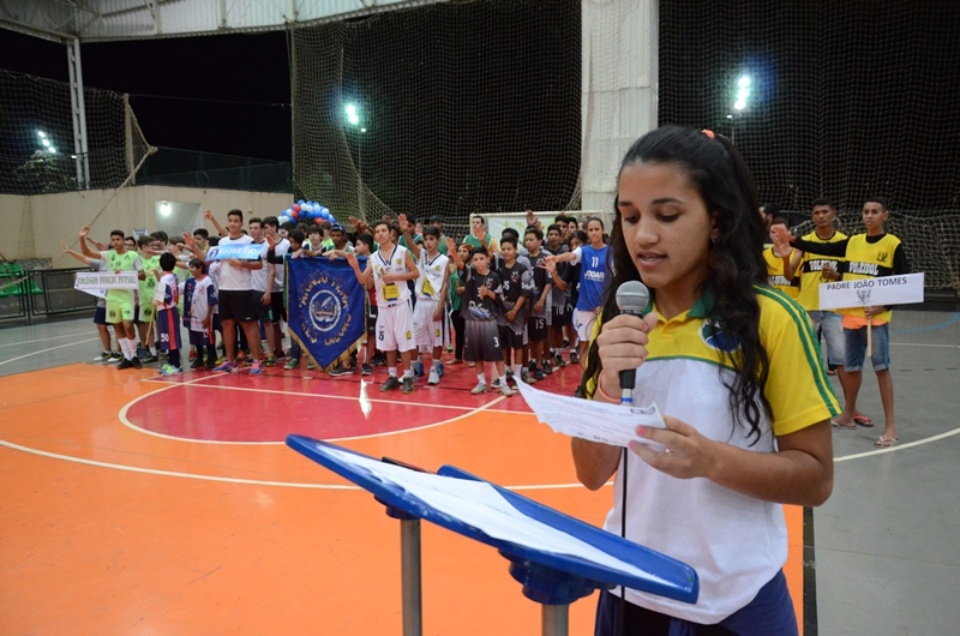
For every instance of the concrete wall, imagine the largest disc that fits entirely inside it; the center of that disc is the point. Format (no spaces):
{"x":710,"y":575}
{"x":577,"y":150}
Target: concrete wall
{"x":32,"y":227}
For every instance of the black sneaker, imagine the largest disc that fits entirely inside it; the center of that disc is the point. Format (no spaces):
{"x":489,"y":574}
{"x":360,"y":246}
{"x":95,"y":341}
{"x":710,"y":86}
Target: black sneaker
{"x":197,"y":363}
{"x":547,"y":368}
{"x":366,"y":369}
{"x":407,"y":385}
{"x":125,"y":364}
{"x":340,"y":370}
{"x":531,"y":366}
{"x":150,"y":358}
{"x":137,"y":364}
{"x":574,"y":356}
{"x":560,"y":362}
{"x":391,"y":384}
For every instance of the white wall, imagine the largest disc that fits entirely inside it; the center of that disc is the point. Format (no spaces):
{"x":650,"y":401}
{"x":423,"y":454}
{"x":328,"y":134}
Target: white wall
{"x":619,"y":92}
{"x":34,"y":226}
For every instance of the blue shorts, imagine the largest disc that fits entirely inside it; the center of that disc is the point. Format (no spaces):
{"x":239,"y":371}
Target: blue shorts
{"x":770,"y":612}
{"x":100,"y":316}
{"x":168,"y":329}
{"x":830,"y":324}
{"x":856,"y":348}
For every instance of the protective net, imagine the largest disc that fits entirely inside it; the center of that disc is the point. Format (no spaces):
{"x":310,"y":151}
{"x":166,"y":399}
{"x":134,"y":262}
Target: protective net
{"x":841,"y":99}
{"x":458,"y":108}
{"x":37,"y":153}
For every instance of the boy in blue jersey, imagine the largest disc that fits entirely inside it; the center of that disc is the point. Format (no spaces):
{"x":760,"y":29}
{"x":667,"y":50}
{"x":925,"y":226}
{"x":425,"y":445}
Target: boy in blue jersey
{"x":592,"y":259}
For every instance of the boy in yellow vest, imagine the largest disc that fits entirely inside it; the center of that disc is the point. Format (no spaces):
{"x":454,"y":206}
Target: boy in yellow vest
{"x":870,"y":255}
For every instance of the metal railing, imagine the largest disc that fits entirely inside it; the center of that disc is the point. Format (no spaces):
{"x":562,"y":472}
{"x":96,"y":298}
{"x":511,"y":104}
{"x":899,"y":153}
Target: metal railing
{"x":26,"y":295}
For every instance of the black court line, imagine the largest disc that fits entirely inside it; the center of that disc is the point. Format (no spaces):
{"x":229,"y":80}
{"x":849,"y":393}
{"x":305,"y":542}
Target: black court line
{"x":810,"y":624}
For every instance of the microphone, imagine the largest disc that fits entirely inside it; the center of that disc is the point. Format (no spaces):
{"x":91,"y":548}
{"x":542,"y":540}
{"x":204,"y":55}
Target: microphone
{"x":632,"y":298}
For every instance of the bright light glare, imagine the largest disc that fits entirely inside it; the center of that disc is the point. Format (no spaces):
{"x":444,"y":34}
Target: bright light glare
{"x":363,"y":130}
{"x":353,"y":116}
{"x":744,"y":81}
{"x":52,"y":150}
{"x":739,"y":105}
{"x":41,"y":134}
{"x":165,"y":209}
{"x":46,"y":142}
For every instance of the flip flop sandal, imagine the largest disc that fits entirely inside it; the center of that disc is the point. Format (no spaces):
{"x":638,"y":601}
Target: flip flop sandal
{"x":863,"y":420}
{"x":887,"y":442}
{"x":837,"y":424}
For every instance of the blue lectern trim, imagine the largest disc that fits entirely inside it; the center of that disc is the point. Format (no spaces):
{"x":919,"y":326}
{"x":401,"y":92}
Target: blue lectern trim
{"x":679,"y":580}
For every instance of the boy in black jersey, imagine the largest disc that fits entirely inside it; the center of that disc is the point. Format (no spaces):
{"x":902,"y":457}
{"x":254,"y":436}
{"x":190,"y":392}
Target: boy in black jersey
{"x":515,"y":291}
{"x":481,"y":310}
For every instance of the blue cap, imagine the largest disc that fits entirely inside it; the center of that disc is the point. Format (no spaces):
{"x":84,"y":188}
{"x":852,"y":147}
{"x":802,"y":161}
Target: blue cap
{"x":336,"y":226}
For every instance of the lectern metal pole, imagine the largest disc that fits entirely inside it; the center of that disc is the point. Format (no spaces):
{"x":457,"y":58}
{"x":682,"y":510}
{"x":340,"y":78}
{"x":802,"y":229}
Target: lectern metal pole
{"x":555,"y":620}
{"x":410,"y":577}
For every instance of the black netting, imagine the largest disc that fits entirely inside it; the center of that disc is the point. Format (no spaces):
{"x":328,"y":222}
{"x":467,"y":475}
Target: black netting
{"x":469,"y":107}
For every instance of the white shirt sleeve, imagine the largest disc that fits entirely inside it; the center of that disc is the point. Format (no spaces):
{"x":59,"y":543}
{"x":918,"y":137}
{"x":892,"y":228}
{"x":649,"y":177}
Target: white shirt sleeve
{"x":577,"y":256}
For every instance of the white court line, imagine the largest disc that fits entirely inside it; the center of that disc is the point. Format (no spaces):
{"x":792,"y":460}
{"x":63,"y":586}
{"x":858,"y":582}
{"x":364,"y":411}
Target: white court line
{"x":917,"y":344}
{"x":23,"y":342}
{"x":172,"y":473}
{"x":229,"y":480}
{"x":257,"y":482}
{"x":126,"y":421}
{"x":33,"y":353}
{"x":320,"y":395}
{"x":890,"y":449}
{"x":527,"y":487}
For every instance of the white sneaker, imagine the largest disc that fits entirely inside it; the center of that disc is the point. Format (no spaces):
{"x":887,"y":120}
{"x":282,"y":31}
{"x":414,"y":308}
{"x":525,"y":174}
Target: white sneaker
{"x":506,"y":390}
{"x":434,"y":376}
{"x":480,"y":388}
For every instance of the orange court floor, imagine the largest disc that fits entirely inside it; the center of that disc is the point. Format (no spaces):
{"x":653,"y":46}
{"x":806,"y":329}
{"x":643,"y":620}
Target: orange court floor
{"x":139,"y":505}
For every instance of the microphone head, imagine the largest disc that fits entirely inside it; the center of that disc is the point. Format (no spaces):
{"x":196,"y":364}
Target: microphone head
{"x":633,"y":297}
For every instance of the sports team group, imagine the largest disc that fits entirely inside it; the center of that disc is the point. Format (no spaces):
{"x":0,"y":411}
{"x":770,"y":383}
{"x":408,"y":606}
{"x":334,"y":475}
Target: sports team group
{"x":510,"y":306}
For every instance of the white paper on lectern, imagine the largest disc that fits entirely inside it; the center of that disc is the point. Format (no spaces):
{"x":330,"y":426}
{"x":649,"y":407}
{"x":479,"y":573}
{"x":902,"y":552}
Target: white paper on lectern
{"x":611,"y":424}
{"x":478,"y":504}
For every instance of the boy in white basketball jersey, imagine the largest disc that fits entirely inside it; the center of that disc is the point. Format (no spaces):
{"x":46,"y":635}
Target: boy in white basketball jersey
{"x":431,"y":293}
{"x":391,"y":267}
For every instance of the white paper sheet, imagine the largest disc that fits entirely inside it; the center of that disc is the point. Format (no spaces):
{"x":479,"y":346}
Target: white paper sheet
{"x":478,"y":504}
{"x":366,"y":406}
{"x":611,"y":424}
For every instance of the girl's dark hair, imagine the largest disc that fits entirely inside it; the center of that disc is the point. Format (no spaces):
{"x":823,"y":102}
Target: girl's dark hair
{"x":717,"y":171}
{"x":591,"y":219}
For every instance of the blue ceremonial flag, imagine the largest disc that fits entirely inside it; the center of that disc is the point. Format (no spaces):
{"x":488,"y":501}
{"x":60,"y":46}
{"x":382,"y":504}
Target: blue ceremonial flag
{"x":325,"y":307}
